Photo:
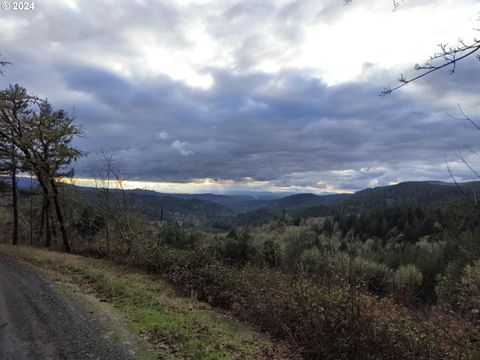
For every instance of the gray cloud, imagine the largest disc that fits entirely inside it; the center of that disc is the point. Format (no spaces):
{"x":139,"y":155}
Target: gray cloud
{"x":286,"y":127}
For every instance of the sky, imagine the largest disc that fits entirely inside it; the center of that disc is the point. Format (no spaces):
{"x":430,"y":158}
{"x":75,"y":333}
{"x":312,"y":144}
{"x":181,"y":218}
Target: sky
{"x":228,"y":96}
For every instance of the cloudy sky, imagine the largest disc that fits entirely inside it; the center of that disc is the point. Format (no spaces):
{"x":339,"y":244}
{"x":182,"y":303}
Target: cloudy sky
{"x":277,"y":95}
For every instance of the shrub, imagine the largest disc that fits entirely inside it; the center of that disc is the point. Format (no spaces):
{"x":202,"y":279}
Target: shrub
{"x":468,"y":291}
{"x":377,"y":277}
{"x":236,"y":249}
{"x":313,"y":262}
{"x":271,"y":253}
{"x":406,"y":284}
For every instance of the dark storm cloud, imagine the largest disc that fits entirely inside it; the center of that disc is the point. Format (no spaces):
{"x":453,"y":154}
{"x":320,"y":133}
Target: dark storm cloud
{"x":265,"y":126}
{"x":287,"y":127}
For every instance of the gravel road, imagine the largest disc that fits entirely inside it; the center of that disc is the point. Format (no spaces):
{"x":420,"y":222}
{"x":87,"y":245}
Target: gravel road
{"x":36,"y":322}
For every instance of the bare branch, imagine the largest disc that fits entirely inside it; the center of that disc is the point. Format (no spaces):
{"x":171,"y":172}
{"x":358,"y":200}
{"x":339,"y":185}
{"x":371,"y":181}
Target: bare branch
{"x":449,"y":56}
{"x":2,"y":65}
{"x":455,"y":181}
{"x":464,"y":117}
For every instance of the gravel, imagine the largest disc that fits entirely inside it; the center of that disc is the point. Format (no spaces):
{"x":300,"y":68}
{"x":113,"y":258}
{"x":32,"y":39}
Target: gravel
{"x":36,"y":322}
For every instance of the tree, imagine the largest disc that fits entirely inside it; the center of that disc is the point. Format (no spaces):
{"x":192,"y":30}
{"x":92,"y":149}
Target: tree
{"x":407,"y":282}
{"x":104,"y":175}
{"x":52,"y":134}
{"x":9,"y":166}
{"x":43,"y":138}
{"x":9,"y":150}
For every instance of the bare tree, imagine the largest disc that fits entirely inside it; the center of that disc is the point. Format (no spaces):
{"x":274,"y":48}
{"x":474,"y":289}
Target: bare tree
{"x":103,"y":175}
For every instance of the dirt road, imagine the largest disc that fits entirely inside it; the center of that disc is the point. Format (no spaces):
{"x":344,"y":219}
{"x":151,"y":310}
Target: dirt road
{"x":36,"y":322}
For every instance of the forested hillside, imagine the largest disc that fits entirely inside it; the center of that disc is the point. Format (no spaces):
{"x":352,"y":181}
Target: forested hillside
{"x":365,"y":271}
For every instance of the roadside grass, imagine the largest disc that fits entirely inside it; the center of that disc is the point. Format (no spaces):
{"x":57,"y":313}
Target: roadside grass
{"x":175,"y":327}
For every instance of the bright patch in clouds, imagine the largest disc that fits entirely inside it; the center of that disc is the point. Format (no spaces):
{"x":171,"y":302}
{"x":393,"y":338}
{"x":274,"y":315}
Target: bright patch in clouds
{"x":335,"y":47}
{"x":171,"y":62}
{"x":163,"y":135}
{"x":369,"y":33}
{"x":181,"y":147}
{"x":200,"y":186}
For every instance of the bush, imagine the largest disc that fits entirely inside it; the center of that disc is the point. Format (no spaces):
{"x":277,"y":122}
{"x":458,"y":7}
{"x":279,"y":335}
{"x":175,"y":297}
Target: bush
{"x":469,"y":291}
{"x":313,"y":262}
{"x":407,"y":283}
{"x":236,"y":249}
{"x":271,"y":253}
{"x":377,"y":277}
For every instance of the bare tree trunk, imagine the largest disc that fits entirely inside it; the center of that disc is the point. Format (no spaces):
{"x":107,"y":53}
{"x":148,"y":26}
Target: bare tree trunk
{"x":13,"y":169}
{"x":42,"y":220}
{"x":46,"y":212}
{"x":107,"y":222}
{"x":108,"y":162}
{"x":53,"y":226}
{"x":61,"y":220}
{"x":14,"y":204}
{"x":31,"y":210}
{"x":48,"y":227}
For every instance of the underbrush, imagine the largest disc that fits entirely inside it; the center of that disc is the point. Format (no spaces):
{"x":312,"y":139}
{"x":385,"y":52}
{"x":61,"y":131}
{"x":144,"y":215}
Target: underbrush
{"x":337,"y":322}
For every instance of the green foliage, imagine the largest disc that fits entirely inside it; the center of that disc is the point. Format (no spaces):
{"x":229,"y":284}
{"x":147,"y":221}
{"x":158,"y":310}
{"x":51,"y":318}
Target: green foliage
{"x":297,"y":240}
{"x":470,"y":288}
{"x":89,"y":222}
{"x":4,"y":187}
{"x":407,"y":282}
{"x":236,"y":249}
{"x":313,"y":262}
{"x":377,"y":277}
{"x":459,"y":289}
{"x":271,"y":253}
{"x":175,"y":235}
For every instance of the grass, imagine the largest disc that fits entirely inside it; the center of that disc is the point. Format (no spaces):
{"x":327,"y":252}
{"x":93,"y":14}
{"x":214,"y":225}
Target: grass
{"x":171,"y":326}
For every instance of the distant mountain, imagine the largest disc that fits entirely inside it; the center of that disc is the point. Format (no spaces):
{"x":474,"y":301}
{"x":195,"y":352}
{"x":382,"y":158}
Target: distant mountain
{"x":23,"y":182}
{"x":413,"y":192}
{"x":298,"y":205}
{"x":258,"y":207}
{"x":237,"y":203}
{"x":155,"y":205}
{"x":417,"y":192}
{"x":307,"y":200}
